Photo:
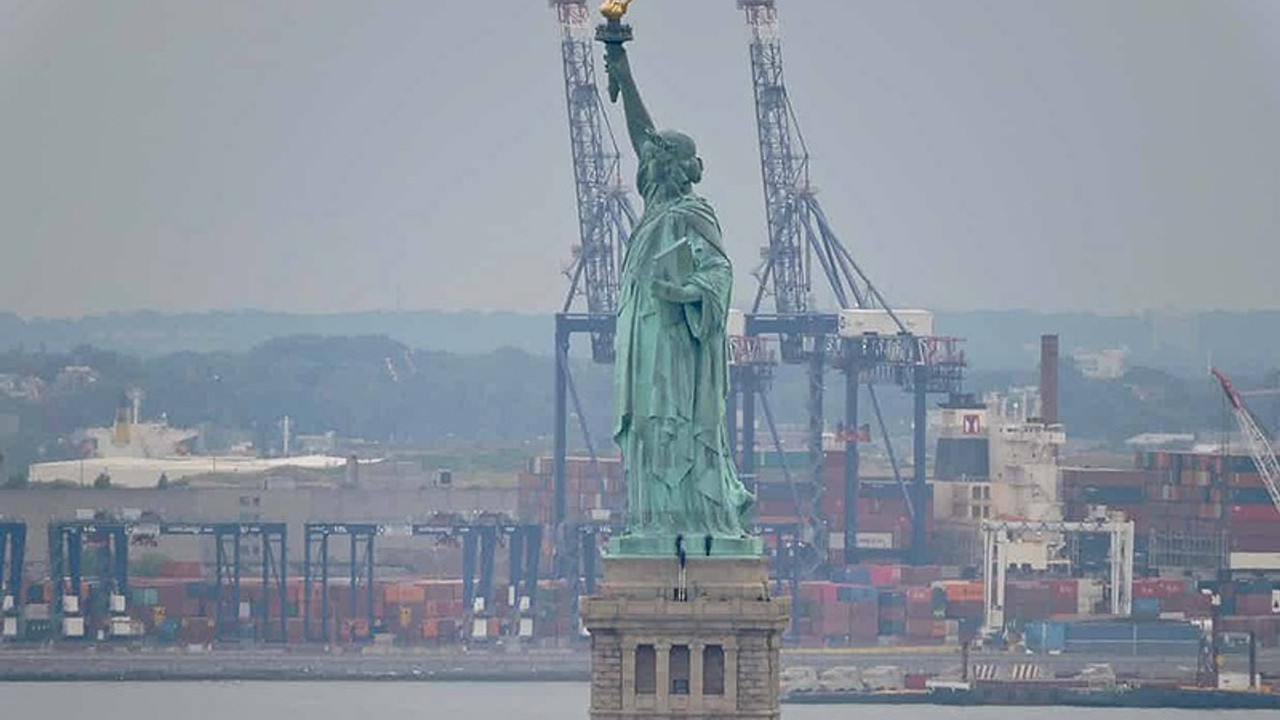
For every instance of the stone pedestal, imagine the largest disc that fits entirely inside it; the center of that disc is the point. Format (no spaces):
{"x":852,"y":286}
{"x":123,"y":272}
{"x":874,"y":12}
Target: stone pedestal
{"x":702,"y":643}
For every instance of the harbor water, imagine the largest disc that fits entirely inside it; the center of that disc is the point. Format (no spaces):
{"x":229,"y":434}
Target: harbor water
{"x":473,"y":701}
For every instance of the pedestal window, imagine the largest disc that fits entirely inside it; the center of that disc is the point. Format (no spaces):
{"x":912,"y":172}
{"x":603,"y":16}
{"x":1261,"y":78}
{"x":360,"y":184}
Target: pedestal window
{"x":646,"y":670}
{"x":713,"y":670}
{"x":679,"y":669}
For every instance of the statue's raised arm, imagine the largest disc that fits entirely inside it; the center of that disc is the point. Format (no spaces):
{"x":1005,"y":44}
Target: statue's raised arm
{"x":640,"y":125}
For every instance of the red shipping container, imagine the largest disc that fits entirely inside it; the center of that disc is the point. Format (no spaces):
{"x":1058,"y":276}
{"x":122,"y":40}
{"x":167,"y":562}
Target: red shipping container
{"x":964,"y":610}
{"x":1246,"y":480}
{"x":1253,"y":604}
{"x":919,"y":595}
{"x":1175,"y":603}
{"x":832,"y":622}
{"x":863,"y":622}
{"x":1260,"y":538}
{"x":1159,"y":587}
{"x":1254,"y":514}
{"x":922,"y":576}
{"x":886,"y":575}
{"x":1064,"y":592}
{"x":922,"y":629}
{"x":920,"y":609}
{"x":821,"y":592}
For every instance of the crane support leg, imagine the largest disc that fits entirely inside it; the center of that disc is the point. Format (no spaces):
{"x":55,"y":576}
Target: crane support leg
{"x":852,"y":382}
{"x":920,"y":489}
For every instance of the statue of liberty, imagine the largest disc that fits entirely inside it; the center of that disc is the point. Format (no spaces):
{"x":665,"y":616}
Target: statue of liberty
{"x":671,"y":374}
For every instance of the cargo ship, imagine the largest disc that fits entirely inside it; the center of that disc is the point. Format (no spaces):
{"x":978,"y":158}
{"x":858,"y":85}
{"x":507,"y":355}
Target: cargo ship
{"x":1009,"y":682}
{"x":1042,"y":693}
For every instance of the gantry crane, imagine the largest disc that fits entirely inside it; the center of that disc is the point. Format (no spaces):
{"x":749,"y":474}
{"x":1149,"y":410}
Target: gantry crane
{"x":801,"y":237}
{"x":1260,"y":448}
{"x":605,"y":221}
{"x":13,"y":543}
{"x":479,"y":537}
{"x":110,"y":537}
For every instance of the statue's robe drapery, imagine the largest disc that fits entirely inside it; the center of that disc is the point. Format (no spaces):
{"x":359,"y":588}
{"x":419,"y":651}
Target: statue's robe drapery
{"x":671,"y":380}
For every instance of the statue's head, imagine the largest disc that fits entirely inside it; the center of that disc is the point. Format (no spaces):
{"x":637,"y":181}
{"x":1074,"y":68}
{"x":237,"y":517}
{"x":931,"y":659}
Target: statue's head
{"x":670,"y":158}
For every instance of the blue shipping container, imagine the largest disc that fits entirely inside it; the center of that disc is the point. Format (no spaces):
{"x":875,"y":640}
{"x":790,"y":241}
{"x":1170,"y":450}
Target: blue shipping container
{"x":1132,"y":648}
{"x":1240,"y":464}
{"x":1168,"y":631}
{"x":1100,"y":631}
{"x":856,"y":594}
{"x":893,"y":599}
{"x":1046,"y":637}
{"x":852,"y":575}
{"x":1250,"y":496}
{"x":1131,"y":632}
{"x":1146,"y":608}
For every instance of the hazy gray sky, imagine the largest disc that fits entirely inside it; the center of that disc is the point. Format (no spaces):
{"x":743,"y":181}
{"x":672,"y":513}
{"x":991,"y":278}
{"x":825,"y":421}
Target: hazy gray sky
{"x":327,"y":155}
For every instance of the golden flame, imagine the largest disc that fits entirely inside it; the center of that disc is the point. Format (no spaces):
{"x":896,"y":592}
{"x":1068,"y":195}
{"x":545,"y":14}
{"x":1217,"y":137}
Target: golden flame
{"x":614,"y":9}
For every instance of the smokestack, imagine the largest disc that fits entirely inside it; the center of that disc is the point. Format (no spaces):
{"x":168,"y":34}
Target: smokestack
{"x":1049,"y":379}
{"x":353,"y":471}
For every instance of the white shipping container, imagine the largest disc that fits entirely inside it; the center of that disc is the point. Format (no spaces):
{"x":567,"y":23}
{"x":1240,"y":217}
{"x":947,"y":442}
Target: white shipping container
{"x":1088,"y":594}
{"x":835,"y":541}
{"x":736,"y":325}
{"x":526,"y":627}
{"x":36,"y":611}
{"x":875,"y":541}
{"x":477,"y":605}
{"x":840,"y":679}
{"x":1255,"y":561}
{"x":524,"y":603}
{"x":117,"y":604}
{"x":73,"y":627}
{"x":856,"y":323}
{"x":479,"y":628}
{"x":884,"y":677}
{"x":121,"y":627}
{"x":1233,"y":681}
{"x":70,"y":604}
{"x":10,"y":627}
{"x":8,"y":603}
{"x":246,"y":611}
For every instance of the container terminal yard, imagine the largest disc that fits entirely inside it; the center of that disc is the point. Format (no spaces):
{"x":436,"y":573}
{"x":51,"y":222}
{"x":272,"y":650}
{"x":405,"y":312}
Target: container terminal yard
{"x":1162,"y":570}
{"x":993,"y":561}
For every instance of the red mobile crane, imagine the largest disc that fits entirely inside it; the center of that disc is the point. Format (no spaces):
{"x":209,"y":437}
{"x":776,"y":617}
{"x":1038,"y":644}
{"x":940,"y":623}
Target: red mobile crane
{"x":1264,"y":455}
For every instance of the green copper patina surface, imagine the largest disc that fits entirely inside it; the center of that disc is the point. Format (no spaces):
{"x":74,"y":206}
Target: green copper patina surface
{"x":671,"y":374}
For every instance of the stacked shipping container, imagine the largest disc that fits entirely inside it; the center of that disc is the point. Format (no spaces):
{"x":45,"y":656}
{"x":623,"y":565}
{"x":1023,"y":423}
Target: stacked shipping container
{"x":590,"y":489}
{"x":1185,"y":495}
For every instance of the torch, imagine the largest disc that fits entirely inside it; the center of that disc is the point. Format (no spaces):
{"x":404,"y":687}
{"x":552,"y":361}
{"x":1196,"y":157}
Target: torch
{"x":613,"y":32}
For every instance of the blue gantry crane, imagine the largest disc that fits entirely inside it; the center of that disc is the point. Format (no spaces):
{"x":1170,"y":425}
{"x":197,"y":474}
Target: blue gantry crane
{"x":110,"y":538}
{"x":480,"y":538}
{"x":800,"y":240}
{"x":13,"y":544}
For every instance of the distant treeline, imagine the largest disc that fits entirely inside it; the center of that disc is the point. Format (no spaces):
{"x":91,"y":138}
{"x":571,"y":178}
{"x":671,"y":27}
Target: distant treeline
{"x":1245,"y":342}
{"x":371,"y":388}
{"x":379,"y":389}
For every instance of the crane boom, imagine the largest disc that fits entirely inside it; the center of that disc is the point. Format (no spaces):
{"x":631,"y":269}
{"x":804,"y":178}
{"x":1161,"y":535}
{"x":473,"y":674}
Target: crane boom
{"x":605,"y":215}
{"x":1264,"y":455}
{"x":784,"y":163}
